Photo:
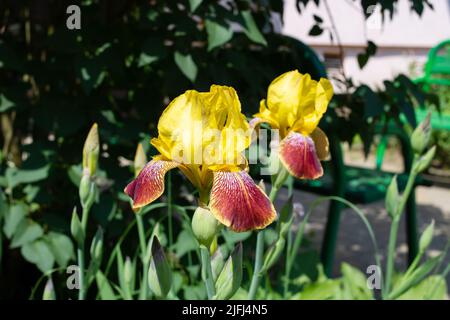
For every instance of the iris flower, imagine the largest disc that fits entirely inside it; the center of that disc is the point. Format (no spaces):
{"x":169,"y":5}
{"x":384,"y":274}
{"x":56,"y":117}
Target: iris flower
{"x":204,"y":134}
{"x":295,"y":104}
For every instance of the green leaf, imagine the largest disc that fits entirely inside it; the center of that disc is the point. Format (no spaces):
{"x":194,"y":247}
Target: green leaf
{"x":16,"y":176}
{"x":145,"y":59}
{"x":76,"y":228}
{"x":193,"y":4}
{"x":185,"y":243}
{"x":39,"y":253}
{"x":61,"y":247}
{"x":27,"y":231}
{"x":104,"y":288}
{"x":433,"y":288}
{"x":13,"y":218}
{"x":355,"y":283}
{"x":392,"y":198}
{"x":5,"y":103}
{"x":217,"y":34}
{"x":251,"y":29}
{"x":186,"y":65}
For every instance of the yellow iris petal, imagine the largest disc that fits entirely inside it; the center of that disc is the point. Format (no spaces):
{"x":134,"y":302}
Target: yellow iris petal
{"x":295,"y":102}
{"x":202,"y":130}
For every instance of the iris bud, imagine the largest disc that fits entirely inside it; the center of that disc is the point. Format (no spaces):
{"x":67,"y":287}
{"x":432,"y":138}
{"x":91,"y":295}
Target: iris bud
{"x":426,"y":237}
{"x":421,"y":135}
{"x":159,"y":273}
{"x":91,"y":151}
{"x":205,"y":226}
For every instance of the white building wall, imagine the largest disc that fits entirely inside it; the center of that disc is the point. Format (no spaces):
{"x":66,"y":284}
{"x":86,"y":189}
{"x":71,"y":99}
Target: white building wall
{"x":402,"y":43}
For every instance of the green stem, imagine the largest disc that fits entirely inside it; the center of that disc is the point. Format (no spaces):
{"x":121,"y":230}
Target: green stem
{"x":394,"y":231}
{"x":259,"y":254}
{"x":207,"y":272}
{"x":142,"y":242}
{"x":81,"y":255}
{"x":169,"y":209}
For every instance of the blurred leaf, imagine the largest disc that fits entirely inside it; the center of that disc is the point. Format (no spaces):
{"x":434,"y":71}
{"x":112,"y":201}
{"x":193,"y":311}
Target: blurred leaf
{"x":61,"y":247}
{"x":370,"y":51}
{"x":104,"y":288}
{"x":13,"y":218}
{"x":431,"y":288}
{"x":193,"y":4}
{"x":355,"y":283}
{"x":39,"y":253}
{"x":27,"y":231}
{"x":316,"y":30}
{"x":251,"y":29}
{"x":217,"y":34}
{"x":5,"y":103}
{"x":186,"y":65}
{"x":185,"y":243}
{"x":16,"y":176}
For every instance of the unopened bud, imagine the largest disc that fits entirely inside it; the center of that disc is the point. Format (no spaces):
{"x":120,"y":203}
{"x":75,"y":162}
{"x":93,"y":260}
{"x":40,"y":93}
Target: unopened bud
{"x":140,"y":159}
{"x":91,"y":151}
{"x":425,"y":160}
{"x":205,"y":226}
{"x":86,"y":191}
{"x":76,"y":229}
{"x":421,"y":135}
{"x":128,"y":271}
{"x":426,"y":237}
{"x":97,"y":246}
{"x":159,"y":273}
{"x":49,"y":291}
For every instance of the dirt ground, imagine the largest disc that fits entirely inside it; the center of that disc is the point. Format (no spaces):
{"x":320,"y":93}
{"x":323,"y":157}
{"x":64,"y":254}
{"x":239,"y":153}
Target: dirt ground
{"x":354,"y":245}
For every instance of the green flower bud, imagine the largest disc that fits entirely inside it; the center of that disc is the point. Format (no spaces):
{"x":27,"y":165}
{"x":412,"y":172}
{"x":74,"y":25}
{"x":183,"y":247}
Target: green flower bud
{"x":87,"y":191}
{"x":205,"y":226}
{"x":49,"y":291}
{"x":140,"y":159}
{"x":159,"y":273}
{"x":229,"y":280}
{"x":91,"y":151}
{"x":426,"y":237}
{"x":392,"y":198}
{"x":421,"y":135}
{"x":425,"y":160}
{"x":75,"y":228}
{"x":97,"y":246}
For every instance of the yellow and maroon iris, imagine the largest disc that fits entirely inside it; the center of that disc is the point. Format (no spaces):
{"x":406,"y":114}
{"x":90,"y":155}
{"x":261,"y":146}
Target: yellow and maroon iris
{"x":204,"y":134}
{"x":295,"y":104}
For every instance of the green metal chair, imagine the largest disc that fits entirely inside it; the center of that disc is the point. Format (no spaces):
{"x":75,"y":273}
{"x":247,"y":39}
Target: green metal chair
{"x":437,"y":74}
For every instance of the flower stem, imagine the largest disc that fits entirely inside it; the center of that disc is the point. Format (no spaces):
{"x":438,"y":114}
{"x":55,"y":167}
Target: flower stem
{"x":259,"y":254}
{"x":142,"y":242}
{"x":169,"y":208}
{"x":207,"y":272}
{"x":81,"y":254}
{"x":394,"y":230}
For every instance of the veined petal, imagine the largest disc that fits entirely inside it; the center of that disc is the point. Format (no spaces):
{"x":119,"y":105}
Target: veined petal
{"x":237,"y":202}
{"x":299,"y":156}
{"x":149,"y":184}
